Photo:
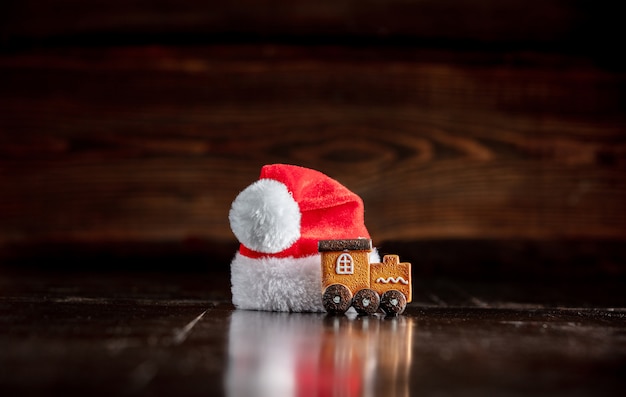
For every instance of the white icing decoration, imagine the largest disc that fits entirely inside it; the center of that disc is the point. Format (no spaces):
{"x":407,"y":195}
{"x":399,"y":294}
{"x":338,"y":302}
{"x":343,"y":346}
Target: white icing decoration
{"x":344,"y":264}
{"x":393,"y":280}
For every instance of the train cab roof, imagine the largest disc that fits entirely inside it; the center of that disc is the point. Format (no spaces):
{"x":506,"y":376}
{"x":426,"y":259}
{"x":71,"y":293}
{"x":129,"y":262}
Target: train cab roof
{"x":359,"y":244}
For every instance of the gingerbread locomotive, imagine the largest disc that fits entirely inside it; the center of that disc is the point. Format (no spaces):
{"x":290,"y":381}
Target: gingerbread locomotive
{"x":349,"y":279}
{"x":304,"y":247}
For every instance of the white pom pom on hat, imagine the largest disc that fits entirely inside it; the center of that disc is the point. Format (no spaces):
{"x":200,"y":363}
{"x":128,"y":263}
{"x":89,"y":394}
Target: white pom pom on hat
{"x":265,"y":218}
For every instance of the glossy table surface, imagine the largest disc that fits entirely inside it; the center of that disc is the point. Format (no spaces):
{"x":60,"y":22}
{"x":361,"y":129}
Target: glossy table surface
{"x":177,"y":334}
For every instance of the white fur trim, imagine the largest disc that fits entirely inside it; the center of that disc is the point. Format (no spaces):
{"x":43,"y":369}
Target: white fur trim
{"x":265,"y":218}
{"x":279,"y":284}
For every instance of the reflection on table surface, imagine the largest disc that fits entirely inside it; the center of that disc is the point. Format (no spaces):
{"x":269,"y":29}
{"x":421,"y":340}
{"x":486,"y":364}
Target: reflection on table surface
{"x":79,"y":335}
{"x":289,"y":354}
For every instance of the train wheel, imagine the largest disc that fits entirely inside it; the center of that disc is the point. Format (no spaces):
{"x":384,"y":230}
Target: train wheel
{"x":366,"y":301}
{"x":337,"y":299}
{"x":393,"y":302}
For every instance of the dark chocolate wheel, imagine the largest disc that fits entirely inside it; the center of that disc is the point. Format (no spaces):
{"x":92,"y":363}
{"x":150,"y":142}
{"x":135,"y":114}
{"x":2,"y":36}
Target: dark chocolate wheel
{"x":393,"y":302}
{"x":366,"y":301}
{"x":337,"y":299}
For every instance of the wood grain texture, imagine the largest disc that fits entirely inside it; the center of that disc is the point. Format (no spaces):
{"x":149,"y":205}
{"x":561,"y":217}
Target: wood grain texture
{"x":581,"y":26}
{"x":152,"y":144}
{"x":446,"y":18}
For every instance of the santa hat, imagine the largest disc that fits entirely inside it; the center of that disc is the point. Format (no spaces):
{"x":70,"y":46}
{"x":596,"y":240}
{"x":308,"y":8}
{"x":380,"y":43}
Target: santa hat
{"x":279,"y":220}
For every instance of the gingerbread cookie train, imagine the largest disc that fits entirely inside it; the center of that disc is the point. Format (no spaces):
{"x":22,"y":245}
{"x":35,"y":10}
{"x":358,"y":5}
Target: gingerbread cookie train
{"x":349,"y":279}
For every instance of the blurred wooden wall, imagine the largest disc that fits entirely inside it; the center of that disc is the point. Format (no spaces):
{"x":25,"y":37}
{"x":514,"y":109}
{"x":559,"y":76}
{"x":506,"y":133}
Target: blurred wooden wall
{"x":134,"y":124}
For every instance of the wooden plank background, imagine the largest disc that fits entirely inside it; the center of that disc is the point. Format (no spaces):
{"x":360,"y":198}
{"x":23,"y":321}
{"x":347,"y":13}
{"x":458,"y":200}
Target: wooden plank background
{"x":134,"y":124}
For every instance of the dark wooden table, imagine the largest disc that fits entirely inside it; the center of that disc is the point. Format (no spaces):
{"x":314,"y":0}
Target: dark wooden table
{"x":113,"y":333}
{"x":486,"y":138}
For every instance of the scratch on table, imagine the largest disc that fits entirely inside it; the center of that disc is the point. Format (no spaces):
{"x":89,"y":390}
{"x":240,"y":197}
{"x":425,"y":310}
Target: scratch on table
{"x":142,"y":375}
{"x":478,"y":302}
{"x":181,"y":334}
{"x":117,"y":345}
{"x":473,"y":299}
{"x":437,"y":300}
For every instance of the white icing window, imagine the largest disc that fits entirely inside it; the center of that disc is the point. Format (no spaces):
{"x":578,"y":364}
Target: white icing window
{"x":345,"y":264}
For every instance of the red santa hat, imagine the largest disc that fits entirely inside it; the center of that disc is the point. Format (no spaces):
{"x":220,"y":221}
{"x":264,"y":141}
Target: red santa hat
{"x":278,"y":220}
